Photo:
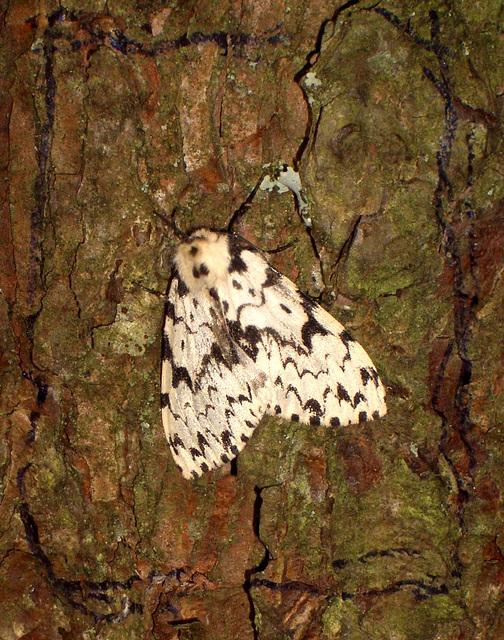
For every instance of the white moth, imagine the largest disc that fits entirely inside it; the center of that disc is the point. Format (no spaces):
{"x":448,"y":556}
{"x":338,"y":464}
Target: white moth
{"x":240,"y":341}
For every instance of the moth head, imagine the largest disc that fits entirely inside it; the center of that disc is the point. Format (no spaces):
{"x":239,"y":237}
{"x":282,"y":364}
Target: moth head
{"x":202,"y":259}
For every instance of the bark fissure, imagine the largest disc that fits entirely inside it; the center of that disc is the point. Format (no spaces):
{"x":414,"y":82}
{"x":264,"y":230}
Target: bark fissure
{"x":263,"y":564}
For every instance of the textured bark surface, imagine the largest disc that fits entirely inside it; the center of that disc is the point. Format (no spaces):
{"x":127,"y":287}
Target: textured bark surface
{"x":113,"y":113}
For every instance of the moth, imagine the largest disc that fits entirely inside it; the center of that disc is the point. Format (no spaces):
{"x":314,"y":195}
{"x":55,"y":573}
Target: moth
{"x":241,"y":341}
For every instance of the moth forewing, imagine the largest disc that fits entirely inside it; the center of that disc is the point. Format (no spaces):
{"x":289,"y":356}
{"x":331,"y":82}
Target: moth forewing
{"x":241,"y":340}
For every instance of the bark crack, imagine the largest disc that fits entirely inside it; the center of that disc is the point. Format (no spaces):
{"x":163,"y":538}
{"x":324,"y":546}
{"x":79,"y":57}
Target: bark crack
{"x":78,"y":593}
{"x":263,"y":564}
{"x":458,"y":238}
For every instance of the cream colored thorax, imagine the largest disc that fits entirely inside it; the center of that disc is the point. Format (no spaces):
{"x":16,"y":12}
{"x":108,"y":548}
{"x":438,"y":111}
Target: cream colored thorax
{"x":203,"y":259}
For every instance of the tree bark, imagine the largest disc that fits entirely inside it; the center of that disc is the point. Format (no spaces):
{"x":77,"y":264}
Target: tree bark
{"x":115,"y":115}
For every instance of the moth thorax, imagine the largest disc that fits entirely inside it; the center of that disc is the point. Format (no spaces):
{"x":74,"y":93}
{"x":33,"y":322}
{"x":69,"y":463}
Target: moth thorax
{"x":203,"y":259}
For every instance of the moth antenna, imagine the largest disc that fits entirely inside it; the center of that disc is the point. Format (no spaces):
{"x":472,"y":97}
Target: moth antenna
{"x":170,"y":222}
{"x":282,"y":248}
{"x":242,"y":210}
{"x":154,"y":292}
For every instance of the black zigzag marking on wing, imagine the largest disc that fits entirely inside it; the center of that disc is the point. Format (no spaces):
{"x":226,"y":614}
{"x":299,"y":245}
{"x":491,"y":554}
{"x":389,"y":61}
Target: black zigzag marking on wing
{"x":236,"y":246}
{"x":181,"y":374}
{"x":293,"y":389}
{"x":182,"y":288}
{"x":241,"y":400}
{"x":313,"y":406}
{"x":249,"y":336}
{"x":301,"y":374}
{"x":311,"y":328}
{"x":346,"y":339}
{"x":166,"y":350}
